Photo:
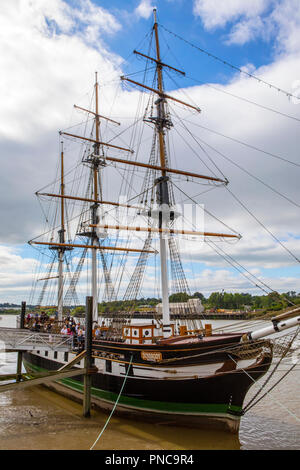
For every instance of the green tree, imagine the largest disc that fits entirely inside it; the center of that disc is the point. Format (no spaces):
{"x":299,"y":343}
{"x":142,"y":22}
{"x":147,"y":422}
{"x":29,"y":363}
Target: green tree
{"x":179,"y":297}
{"x":200,"y":296}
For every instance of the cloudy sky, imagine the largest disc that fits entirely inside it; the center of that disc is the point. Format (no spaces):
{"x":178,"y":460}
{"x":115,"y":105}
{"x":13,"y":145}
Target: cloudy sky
{"x":49,"y":52}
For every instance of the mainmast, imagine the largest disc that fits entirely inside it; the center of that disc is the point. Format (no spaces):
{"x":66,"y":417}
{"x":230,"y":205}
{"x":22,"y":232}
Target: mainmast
{"x":165,"y":212}
{"x":162,"y":189}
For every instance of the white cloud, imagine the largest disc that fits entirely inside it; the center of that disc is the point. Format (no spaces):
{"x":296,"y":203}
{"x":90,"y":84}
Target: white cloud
{"x":47,"y":65}
{"x":15,"y":274}
{"x":214,"y":281}
{"x":246,"y":30}
{"x":144,"y":9}
{"x":252,"y":19}
{"x":59,"y":16}
{"x":285,"y":19}
{"x":41,"y":60}
{"x":216,"y":13}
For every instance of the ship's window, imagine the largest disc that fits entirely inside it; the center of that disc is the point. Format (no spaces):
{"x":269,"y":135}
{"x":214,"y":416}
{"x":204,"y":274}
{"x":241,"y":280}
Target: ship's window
{"x":66,"y":357}
{"x":55,"y":354}
{"x":46,"y":353}
{"x":108,"y":367}
{"x":38,"y":352}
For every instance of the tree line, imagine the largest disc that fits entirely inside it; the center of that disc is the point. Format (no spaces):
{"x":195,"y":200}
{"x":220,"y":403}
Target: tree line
{"x":216,"y":300}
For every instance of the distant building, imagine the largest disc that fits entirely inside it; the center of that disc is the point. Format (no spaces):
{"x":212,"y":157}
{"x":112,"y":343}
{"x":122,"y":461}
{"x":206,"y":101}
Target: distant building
{"x":193,"y":306}
{"x":247,"y":308}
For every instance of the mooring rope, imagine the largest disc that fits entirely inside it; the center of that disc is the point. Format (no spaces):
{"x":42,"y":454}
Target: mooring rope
{"x":115,"y":405}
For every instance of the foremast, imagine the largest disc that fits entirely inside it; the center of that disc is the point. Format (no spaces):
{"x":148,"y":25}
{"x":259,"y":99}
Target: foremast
{"x":96,"y":160}
{"x":61,"y":234}
{"x":95,"y":205}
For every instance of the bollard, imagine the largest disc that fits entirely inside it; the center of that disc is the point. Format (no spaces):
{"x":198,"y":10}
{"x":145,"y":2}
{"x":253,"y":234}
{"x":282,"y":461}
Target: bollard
{"x":88,"y":357}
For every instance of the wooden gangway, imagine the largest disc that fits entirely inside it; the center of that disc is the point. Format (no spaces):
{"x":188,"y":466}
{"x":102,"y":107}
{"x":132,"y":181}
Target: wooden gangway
{"x":17,"y":339}
{"x":42,"y":379}
{"x":66,"y":371}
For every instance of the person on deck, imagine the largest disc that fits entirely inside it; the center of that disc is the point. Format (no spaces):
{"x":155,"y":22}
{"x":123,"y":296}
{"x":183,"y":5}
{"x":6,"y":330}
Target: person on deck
{"x":97,"y":332}
{"x":80,"y":337}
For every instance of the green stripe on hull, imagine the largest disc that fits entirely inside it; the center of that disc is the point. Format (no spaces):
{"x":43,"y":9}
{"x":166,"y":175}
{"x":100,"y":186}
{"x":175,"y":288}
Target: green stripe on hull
{"x":166,"y":407}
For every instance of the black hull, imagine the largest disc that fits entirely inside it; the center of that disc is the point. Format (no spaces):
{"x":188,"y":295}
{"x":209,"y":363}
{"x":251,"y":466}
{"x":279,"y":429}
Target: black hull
{"x":214,"y":401}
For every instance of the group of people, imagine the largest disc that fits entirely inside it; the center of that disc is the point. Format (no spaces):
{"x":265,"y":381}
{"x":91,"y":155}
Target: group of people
{"x":44,"y":323}
{"x":76,"y":330}
{"x":39,"y":322}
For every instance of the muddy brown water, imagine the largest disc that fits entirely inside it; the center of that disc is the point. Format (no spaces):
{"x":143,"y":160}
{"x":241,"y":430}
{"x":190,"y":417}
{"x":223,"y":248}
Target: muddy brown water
{"x":38,"y":418}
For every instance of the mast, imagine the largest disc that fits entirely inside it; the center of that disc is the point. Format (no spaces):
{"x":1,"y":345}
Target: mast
{"x":94,"y":207}
{"x":61,"y":234}
{"x":162,"y":189}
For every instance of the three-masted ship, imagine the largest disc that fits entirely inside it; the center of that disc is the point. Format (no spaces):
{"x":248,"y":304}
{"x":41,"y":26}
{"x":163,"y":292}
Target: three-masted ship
{"x":176,"y":371}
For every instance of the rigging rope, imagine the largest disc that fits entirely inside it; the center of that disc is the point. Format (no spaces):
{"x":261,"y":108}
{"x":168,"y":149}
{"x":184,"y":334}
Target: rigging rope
{"x":265,"y":394}
{"x":205,"y":210}
{"x":263,"y":226}
{"x":209,"y":85}
{"x":243,"y":143}
{"x":247,"y":100}
{"x":248,"y":210}
{"x":250,"y":75}
{"x":230,"y":257}
{"x":287,"y":348}
{"x":250,"y":174}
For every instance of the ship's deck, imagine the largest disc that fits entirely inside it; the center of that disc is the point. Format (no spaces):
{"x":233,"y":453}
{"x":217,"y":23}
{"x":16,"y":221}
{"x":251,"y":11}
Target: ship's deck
{"x":196,"y":340}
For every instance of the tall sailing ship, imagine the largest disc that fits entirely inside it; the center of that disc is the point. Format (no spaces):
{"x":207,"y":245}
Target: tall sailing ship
{"x":176,"y":369}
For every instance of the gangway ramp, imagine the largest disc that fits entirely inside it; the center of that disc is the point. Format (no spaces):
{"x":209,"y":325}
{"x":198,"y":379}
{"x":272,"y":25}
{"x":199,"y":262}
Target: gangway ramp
{"x":66,"y":371}
{"x":17,"y":339}
{"x":43,"y":379}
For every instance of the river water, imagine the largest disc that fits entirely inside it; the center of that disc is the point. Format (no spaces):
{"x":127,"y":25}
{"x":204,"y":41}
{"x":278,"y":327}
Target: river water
{"x":37,"y":418}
